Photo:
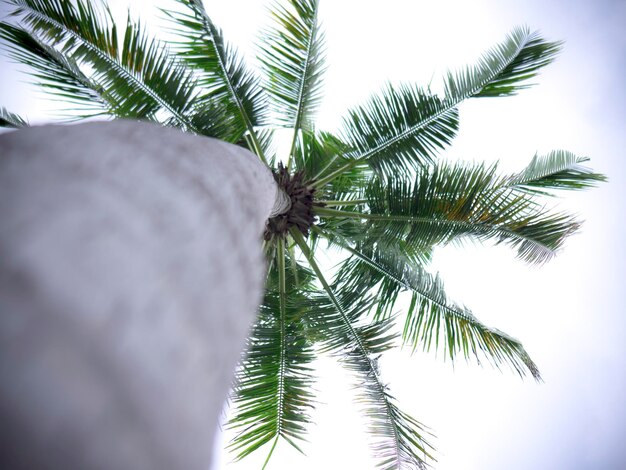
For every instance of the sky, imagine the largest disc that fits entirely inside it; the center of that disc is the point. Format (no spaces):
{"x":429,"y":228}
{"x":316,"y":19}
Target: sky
{"x":568,"y":313}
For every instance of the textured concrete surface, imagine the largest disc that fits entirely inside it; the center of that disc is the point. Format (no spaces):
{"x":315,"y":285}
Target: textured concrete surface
{"x":130,"y":271}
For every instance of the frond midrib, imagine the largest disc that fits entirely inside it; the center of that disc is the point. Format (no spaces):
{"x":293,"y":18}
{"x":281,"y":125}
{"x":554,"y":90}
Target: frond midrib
{"x":412,"y":219}
{"x":282,"y":292}
{"x":454,"y":312}
{"x":78,"y":75}
{"x":57,"y":60}
{"x":482,"y":84}
{"x":518,"y":180}
{"x":404,"y":134}
{"x":299,"y":105}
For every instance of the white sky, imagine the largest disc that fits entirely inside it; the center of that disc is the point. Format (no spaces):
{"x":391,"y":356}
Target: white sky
{"x":569,"y":313}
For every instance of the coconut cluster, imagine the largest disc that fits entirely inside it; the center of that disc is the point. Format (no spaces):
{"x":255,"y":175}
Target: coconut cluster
{"x":300,"y":214}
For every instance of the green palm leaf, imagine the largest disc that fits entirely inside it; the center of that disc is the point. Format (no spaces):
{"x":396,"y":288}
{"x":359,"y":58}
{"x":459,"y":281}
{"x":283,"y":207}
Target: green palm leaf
{"x":293,"y":63}
{"x":403,"y":129}
{"x":432,"y":320}
{"x":503,"y":70}
{"x":140,"y":79}
{"x":400,"y":130}
{"x":272,"y":393}
{"x":221,"y":71}
{"x":451,"y":202}
{"x":558,"y":169}
{"x":9,"y":119}
{"x":55,"y":72}
{"x":397,"y":437}
{"x":160,"y":75}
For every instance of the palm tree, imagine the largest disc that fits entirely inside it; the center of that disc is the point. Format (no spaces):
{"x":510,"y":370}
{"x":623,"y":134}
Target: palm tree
{"x":376,"y":190}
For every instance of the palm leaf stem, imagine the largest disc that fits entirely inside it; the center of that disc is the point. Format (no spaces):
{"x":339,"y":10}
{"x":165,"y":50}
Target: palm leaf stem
{"x":297,"y":236}
{"x":348,"y":202}
{"x":254,"y":142}
{"x":52,"y":69}
{"x":318,"y":183}
{"x":323,"y":170}
{"x":293,"y":264}
{"x":455,"y":312}
{"x":455,"y":94}
{"x":324,"y":212}
{"x":377,"y":267}
{"x":113,"y":64}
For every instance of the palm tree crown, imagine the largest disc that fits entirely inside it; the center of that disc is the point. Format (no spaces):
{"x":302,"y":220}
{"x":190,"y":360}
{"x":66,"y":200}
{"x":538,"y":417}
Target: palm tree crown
{"x":376,"y":190}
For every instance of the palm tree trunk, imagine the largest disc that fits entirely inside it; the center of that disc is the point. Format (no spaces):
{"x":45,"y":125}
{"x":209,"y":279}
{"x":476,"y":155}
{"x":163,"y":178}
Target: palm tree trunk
{"x":130,"y":271}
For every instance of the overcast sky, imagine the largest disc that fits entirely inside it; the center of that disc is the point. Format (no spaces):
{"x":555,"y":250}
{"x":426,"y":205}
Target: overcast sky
{"x":569,"y":314}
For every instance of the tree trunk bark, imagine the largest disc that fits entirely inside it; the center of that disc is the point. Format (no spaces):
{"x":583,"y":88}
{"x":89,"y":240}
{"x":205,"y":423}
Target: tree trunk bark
{"x":130,"y":272}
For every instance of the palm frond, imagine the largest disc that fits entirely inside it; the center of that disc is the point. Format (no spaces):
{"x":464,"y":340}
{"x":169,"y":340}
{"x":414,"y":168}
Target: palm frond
{"x":432,"y":320}
{"x":449,"y":202}
{"x":400,"y":129}
{"x":55,"y":72}
{"x":397,"y":438}
{"x":341,"y":319}
{"x":272,"y":394}
{"x":138,"y":80}
{"x":292,"y":58}
{"x":400,"y":439}
{"x":505,"y":69}
{"x":221,"y":70}
{"x":9,"y":119}
{"x":403,"y":129}
{"x":558,"y":169}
